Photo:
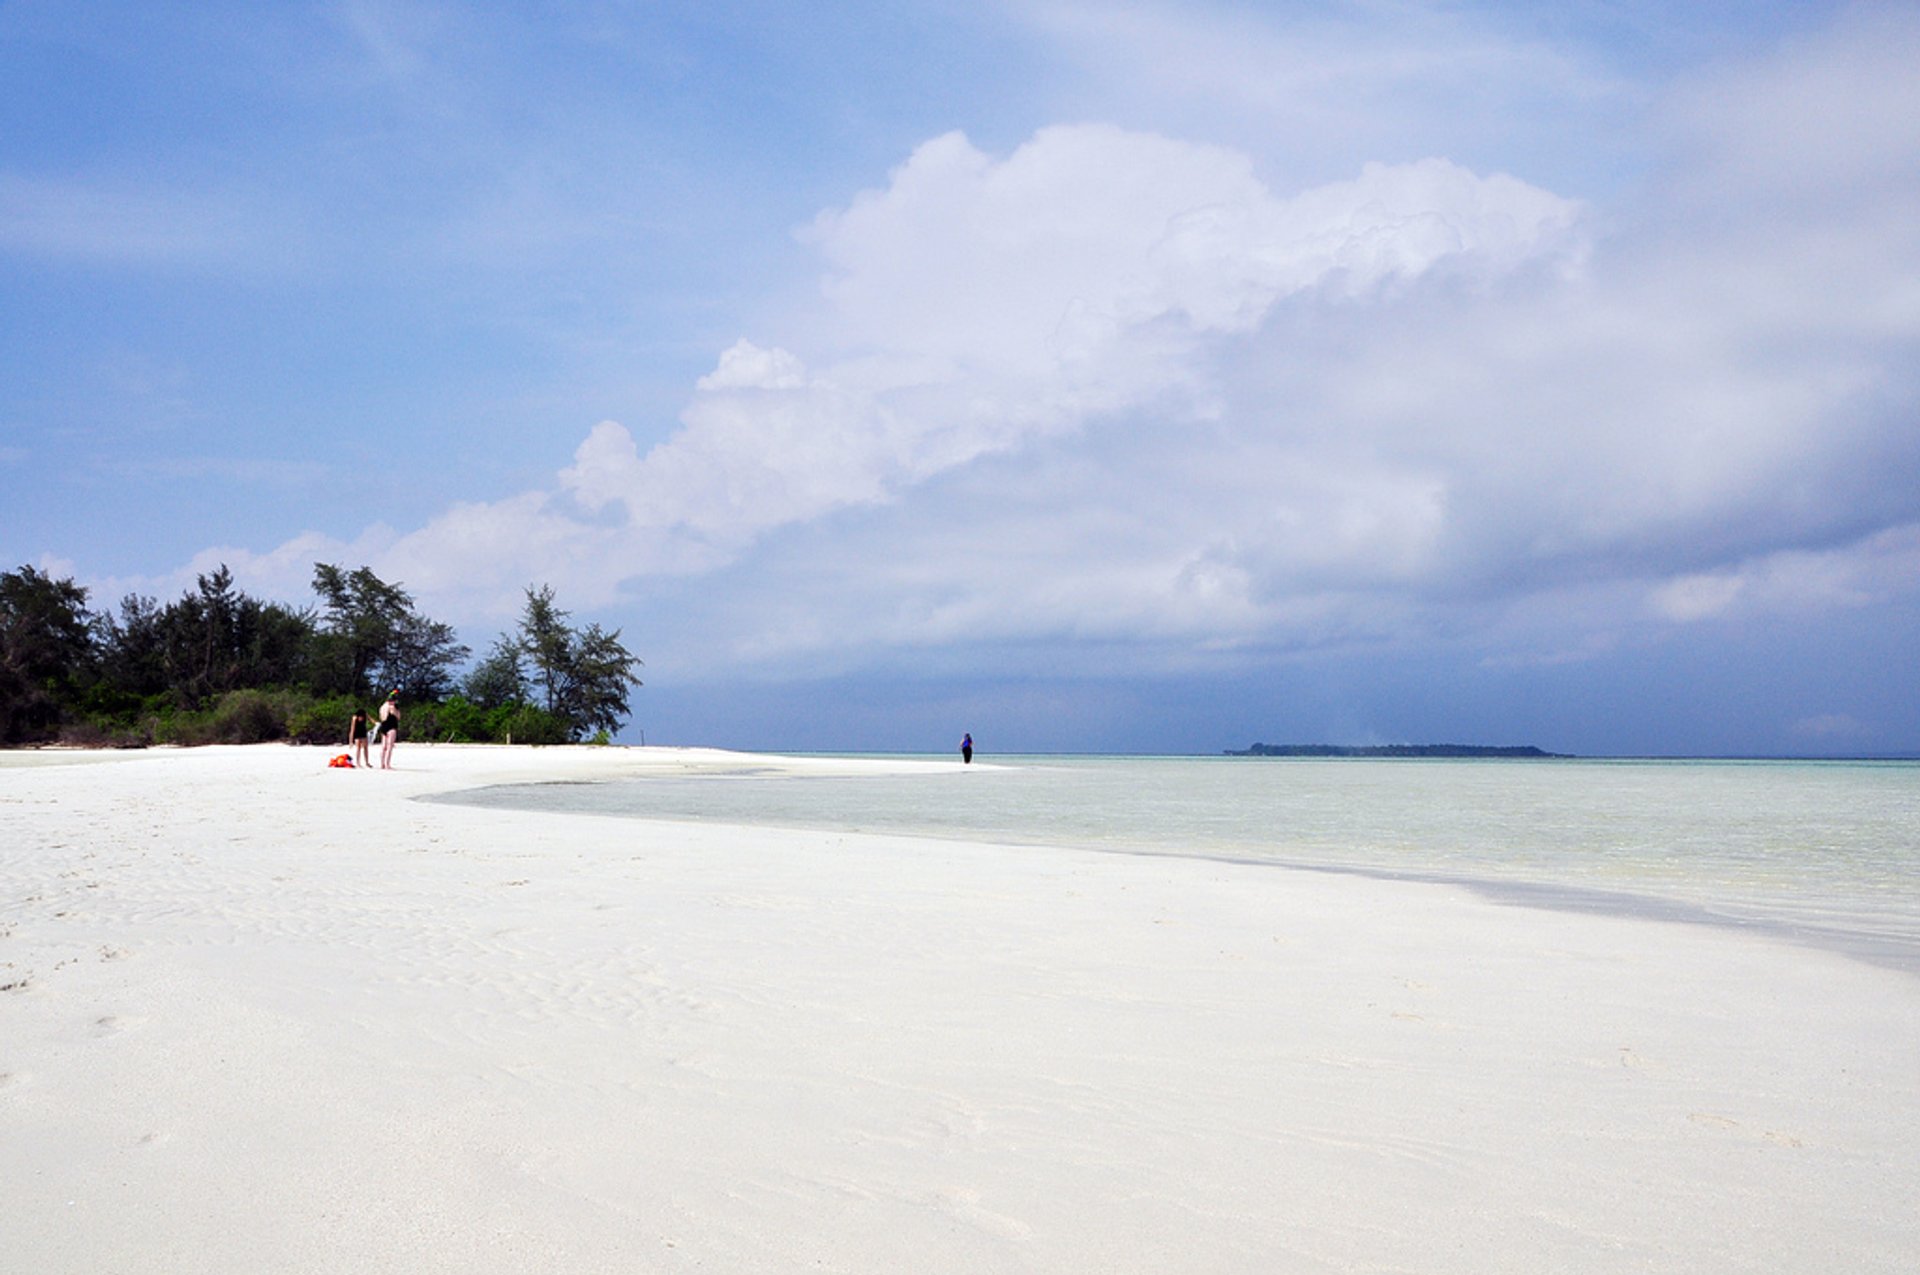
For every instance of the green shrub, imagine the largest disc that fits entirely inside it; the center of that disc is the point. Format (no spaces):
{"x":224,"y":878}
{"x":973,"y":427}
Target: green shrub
{"x":248,"y":717}
{"x":102,"y":733}
{"x":455,"y":721}
{"x":105,"y":706}
{"x":460,"y":720}
{"x":323,"y":721}
{"x":525,"y":724}
{"x":298,"y":716}
{"x":187,"y":729}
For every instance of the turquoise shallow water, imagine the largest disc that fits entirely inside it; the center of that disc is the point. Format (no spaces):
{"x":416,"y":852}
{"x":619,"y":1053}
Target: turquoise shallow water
{"x":1824,"y":852}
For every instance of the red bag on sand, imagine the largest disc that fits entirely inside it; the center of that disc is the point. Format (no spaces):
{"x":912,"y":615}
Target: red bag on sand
{"x":343,"y":761}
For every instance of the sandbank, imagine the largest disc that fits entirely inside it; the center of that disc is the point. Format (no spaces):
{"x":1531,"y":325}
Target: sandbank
{"x":257,"y":1015}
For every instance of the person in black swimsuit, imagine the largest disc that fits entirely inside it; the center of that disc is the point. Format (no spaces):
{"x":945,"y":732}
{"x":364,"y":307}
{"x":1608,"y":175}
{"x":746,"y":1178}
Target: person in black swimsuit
{"x":357,"y":728}
{"x":389,"y":730}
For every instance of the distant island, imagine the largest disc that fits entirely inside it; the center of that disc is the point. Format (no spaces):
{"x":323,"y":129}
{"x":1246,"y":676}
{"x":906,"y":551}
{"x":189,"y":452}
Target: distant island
{"x":1389,"y":750}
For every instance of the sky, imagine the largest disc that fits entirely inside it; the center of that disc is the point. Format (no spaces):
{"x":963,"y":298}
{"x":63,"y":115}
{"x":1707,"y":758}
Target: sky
{"x":1148,"y":377}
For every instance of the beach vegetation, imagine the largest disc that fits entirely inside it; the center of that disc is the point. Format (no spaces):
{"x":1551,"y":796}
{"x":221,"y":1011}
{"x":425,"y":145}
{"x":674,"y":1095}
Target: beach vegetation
{"x":530,"y":724}
{"x":46,"y":651}
{"x":583,"y":675}
{"x":500,"y":678}
{"x":370,"y":636}
{"x":93,"y":733}
{"x":219,"y":666}
{"x":132,"y":650}
{"x":248,"y":717}
{"x":320,"y":719}
{"x":456,"y":719}
{"x":213,"y":640}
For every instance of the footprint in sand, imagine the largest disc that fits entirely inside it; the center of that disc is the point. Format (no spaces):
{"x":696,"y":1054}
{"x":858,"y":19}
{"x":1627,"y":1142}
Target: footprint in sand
{"x":1727,"y":1123}
{"x":964,"y":1205}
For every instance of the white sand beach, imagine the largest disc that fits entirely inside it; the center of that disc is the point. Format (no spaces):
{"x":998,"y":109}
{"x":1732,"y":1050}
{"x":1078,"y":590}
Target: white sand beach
{"x":257,"y":1015}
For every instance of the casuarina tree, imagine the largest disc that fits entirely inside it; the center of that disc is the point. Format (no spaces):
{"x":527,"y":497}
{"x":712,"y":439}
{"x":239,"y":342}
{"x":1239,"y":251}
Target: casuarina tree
{"x":371,"y":636}
{"x":45,"y":651}
{"x":584,"y":675}
{"x":217,"y":639}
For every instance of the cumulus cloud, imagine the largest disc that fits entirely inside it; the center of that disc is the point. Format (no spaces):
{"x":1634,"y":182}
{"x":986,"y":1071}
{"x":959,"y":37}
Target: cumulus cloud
{"x":1116,"y":388}
{"x":1087,"y":233}
{"x":285,"y":571}
{"x":975,"y":305}
{"x":1705,"y":405}
{"x":745,"y":366}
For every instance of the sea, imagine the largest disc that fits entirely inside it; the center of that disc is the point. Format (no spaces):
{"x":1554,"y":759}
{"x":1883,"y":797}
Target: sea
{"x":1825,"y":853}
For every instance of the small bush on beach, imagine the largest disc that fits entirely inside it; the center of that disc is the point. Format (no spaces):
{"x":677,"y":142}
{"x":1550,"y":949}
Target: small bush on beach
{"x":525,"y":724}
{"x":321,"y":721}
{"x":456,"y":721}
{"x":95,"y":734}
{"x":248,"y":717}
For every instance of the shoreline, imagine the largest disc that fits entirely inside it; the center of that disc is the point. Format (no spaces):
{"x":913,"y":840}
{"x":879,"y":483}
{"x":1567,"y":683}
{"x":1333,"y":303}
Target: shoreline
{"x":1885,"y":948}
{"x":276,"y":1017}
{"x":1341,"y":753}
{"x":1882,"y":951}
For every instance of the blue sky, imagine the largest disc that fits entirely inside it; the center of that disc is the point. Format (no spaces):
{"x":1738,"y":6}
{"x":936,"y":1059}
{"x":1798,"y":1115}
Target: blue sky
{"x":1144,"y":377}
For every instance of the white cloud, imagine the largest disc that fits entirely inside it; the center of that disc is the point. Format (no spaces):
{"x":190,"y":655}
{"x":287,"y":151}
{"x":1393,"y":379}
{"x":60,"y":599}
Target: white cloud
{"x":1087,"y":233}
{"x":745,"y":366}
{"x":604,"y":466}
{"x":284,"y":572}
{"x":1879,"y":568}
{"x":1113,"y":389}
{"x":493,"y":550}
{"x":976,"y":305}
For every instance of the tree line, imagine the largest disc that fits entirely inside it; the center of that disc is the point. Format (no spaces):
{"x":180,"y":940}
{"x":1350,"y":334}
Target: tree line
{"x":216,"y":665}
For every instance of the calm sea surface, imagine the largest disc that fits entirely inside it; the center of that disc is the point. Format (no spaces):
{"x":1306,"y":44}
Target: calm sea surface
{"x":1825,"y":852}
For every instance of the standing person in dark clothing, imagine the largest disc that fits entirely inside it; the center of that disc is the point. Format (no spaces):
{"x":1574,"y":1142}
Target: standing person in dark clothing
{"x":389,"y":729}
{"x":357,"y":729}
{"x":966,"y":748}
